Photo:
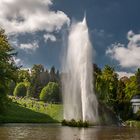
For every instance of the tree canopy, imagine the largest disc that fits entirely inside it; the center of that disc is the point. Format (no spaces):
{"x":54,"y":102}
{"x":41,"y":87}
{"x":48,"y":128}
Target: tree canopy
{"x":7,"y":67}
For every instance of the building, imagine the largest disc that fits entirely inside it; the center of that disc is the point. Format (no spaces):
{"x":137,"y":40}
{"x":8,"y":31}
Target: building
{"x":135,"y":103}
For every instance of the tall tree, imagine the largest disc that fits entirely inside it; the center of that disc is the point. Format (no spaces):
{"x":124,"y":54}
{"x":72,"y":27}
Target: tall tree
{"x":137,"y":74}
{"x":53,"y":77}
{"x":106,"y":85}
{"x":23,"y":75}
{"x":131,"y":88}
{"x":7,"y":67}
{"x":36,"y":85}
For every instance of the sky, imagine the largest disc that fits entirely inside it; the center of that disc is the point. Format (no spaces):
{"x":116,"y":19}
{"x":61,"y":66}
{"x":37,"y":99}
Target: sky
{"x":38,"y":30}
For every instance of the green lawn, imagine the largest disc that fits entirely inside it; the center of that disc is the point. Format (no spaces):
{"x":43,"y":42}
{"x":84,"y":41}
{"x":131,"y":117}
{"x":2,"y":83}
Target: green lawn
{"x":30,"y":111}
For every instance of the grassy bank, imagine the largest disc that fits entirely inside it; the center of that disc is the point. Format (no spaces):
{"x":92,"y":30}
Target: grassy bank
{"x":31,"y":111}
{"x":133,"y":123}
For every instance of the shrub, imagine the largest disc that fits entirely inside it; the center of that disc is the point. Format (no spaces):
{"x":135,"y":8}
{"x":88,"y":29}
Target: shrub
{"x":50,"y":93}
{"x":20,"y":90}
{"x":64,"y":122}
{"x":74,"y":123}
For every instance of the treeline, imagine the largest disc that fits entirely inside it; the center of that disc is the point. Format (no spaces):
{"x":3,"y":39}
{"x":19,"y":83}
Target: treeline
{"x":7,"y":68}
{"x":116,"y":93}
{"x":38,"y":83}
{"x":44,"y":84}
{"x":111,"y":91}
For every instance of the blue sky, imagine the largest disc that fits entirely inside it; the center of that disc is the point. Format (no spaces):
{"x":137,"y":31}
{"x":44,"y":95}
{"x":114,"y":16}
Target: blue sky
{"x":38,"y":29}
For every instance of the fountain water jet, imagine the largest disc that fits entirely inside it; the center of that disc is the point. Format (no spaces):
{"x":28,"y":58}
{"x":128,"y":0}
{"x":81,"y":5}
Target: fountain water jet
{"x":79,"y":100}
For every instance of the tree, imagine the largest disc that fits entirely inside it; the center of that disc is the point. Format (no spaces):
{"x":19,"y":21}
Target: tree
{"x":23,"y":75}
{"x":36,"y":69}
{"x":20,"y":90}
{"x":106,"y":86}
{"x":122,"y":106}
{"x":7,"y":68}
{"x":7,"y":65}
{"x":53,"y":77}
{"x":137,"y":74}
{"x":96,"y":76}
{"x":131,"y":88}
{"x":35,"y":82}
{"x":50,"y":93}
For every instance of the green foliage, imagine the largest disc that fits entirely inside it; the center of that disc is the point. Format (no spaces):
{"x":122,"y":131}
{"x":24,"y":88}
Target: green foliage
{"x":20,"y":90}
{"x":137,"y":115}
{"x":106,"y":86}
{"x":3,"y":98}
{"x":137,"y":74}
{"x":74,"y":123}
{"x":7,"y":68}
{"x":133,"y":123}
{"x":23,"y":75}
{"x":36,"y":80}
{"x":7,"y":65}
{"x":131,"y":88}
{"x":11,"y":87}
{"x":50,"y":93}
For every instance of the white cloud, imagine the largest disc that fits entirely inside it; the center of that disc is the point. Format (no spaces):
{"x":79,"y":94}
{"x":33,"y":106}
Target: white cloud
{"x":18,"y":61}
{"x":130,"y":34}
{"x":49,"y":37}
{"x":127,"y":56}
{"x":27,"y":16}
{"x":29,"y":46}
{"x":122,"y":73}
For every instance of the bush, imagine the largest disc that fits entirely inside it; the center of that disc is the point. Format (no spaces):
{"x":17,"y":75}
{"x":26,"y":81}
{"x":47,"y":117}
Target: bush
{"x":20,"y":90}
{"x":64,"y":122}
{"x":50,"y":93}
{"x":74,"y":123}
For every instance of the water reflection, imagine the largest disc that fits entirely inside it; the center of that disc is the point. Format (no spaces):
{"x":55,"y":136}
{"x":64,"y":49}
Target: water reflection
{"x":56,"y":132}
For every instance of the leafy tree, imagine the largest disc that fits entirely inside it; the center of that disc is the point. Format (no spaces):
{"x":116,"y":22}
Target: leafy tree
{"x":23,"y":75}
{"x":137,"y":74}
{"x":53,"y":76}
{"x":131,"y":88}
{"x":35,"y":82}
{"x":50,"y":92}
{"x":20,"y":90}
{"x":106,"y":86}
{"x":7,"y":67}
{"x":36,"y":69}
{"x":123,"y":105}
{"x":96,"y":75}
{"x":40,"y":78}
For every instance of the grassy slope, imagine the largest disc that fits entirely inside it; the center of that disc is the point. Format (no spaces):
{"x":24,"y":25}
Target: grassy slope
{"x":38,"y":113}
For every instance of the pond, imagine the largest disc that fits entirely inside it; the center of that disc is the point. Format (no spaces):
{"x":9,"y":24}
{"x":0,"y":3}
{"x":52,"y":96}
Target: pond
{"x":57,"y":132}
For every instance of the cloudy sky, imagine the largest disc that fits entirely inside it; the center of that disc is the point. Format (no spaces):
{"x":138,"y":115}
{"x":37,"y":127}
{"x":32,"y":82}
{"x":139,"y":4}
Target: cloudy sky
{"x":38,"y":30}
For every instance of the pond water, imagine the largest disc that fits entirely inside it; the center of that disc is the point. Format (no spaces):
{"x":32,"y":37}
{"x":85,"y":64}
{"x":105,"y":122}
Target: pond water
{"x":57,"y":132}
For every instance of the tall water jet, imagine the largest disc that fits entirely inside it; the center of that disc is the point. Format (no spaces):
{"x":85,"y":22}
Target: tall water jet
{"x":79,"y":100}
